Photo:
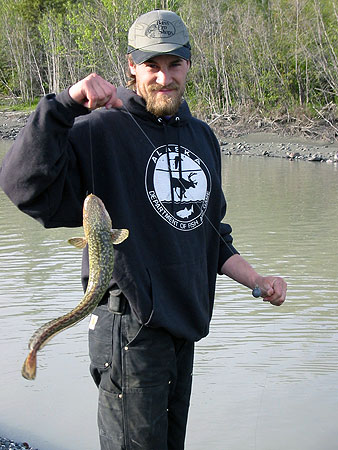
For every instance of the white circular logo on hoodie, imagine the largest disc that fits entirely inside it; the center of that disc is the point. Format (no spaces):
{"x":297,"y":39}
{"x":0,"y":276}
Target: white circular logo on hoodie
{"x":178,"y":185}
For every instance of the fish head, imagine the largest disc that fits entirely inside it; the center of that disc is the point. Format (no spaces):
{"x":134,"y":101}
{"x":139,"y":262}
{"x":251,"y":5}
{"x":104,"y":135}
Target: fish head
{"x":95,"y":215}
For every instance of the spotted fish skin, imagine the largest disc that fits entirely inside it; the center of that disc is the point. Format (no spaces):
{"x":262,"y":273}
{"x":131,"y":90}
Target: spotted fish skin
{"x":100,"y":237}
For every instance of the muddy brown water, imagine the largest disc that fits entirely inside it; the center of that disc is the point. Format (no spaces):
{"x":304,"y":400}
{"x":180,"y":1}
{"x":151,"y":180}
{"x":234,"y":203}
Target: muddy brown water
{"x":265,"y":378}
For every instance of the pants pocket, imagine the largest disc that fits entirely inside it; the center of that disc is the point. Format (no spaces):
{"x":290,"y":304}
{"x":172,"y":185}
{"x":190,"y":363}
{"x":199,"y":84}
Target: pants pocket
{"x":135,"y":419}
{"x":110,"y":421}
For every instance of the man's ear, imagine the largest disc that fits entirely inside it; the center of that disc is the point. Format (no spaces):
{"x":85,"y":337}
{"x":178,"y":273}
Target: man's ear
{"x":132,"y":67}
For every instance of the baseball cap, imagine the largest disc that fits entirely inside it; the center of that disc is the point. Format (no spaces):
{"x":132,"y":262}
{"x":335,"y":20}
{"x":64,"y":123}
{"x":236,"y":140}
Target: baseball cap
{"x":156,"y":33}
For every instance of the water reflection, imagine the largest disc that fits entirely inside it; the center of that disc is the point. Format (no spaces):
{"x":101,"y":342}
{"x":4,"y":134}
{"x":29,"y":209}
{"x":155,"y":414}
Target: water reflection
{"x":264,"y":378}
{"x":40,"y":281}
{"x":271,"y":373}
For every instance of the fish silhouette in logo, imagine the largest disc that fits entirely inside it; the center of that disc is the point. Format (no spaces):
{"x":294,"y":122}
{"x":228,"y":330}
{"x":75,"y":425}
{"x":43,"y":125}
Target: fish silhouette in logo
{"x":185,"y":213}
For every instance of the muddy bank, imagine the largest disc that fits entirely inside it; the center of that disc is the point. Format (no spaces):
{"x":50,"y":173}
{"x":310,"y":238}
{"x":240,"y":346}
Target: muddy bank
{"x":314,"y":141}
{"x":239,"y":138}
{"x":273,"y":145}
{"x":11,"y":123}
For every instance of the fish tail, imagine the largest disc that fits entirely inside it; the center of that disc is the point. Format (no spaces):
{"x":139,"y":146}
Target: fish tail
{"x":29,"y":366}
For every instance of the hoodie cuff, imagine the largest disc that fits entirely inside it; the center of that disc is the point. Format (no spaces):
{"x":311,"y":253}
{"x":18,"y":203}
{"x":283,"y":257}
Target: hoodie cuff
{"x":226,"y":249}
{"x":74,"y":109}
{"x":225,"y":252}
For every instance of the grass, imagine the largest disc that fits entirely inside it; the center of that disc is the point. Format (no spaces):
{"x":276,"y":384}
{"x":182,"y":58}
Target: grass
{"x":16,"y":104}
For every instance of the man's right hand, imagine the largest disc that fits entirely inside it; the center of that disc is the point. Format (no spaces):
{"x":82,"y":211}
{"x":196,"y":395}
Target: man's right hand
{"x":94,"y":92}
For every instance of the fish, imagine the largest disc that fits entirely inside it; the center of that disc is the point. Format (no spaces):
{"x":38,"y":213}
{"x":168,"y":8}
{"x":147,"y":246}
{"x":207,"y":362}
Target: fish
{"x":100,"y":238}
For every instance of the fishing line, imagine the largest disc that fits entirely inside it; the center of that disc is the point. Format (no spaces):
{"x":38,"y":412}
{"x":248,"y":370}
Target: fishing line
{"x":256,"y":291}
{"x":91,"y":156}
{"x":154,"y":147}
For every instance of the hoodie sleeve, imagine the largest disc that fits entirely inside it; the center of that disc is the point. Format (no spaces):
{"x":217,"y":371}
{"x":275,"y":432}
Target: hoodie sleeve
{"x":40,"y":173}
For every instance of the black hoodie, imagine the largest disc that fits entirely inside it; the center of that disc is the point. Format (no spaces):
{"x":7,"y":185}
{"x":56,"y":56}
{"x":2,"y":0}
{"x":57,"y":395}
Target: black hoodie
{"x":159,"y":178}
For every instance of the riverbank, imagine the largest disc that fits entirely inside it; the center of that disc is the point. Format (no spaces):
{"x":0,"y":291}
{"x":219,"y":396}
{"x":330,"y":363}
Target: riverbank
{"x":11,"y":123}
{"x":251,"y":138}
{"x":314,"y":141}
{"x":274,"y":145}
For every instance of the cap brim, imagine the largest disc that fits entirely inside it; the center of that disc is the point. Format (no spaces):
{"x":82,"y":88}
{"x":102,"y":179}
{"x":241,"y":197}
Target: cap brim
{"x":140,"y":56}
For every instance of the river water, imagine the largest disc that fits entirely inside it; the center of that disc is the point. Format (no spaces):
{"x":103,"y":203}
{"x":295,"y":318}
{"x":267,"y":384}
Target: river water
{"x":266,"y":378}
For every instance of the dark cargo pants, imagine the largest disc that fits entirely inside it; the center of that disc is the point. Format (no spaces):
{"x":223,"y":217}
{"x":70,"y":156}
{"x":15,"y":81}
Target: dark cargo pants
{"x":144,"y":378}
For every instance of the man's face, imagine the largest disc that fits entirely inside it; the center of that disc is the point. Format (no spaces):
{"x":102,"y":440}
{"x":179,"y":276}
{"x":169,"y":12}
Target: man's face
{"x":161,"y":82}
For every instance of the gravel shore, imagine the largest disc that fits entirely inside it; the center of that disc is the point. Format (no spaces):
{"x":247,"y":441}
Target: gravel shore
{"x":11,"y":123}
{"x":273,"y":145}
{"x":9,"y":444}
{"x":244,"y":141}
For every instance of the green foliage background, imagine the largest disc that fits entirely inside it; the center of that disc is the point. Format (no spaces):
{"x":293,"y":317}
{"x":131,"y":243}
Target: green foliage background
{"x":263,"y":55}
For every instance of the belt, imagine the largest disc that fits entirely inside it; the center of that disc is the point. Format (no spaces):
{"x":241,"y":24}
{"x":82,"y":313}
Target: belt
{"x":116,"y":302}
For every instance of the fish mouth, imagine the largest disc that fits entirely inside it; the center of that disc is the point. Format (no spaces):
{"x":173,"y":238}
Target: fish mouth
{"x":92,"y":203}
{"x":91,"y":198}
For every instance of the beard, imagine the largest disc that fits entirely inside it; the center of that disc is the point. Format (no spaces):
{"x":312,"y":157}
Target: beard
{"x":162,"y":105}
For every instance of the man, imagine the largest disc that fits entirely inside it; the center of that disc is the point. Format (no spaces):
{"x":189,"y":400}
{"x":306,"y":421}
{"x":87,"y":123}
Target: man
{"x":158,"y":171}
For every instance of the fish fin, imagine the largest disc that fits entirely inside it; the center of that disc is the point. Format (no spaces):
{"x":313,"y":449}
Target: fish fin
{"x":79,"y":242}
{"x":29,"y":366}
{"x":119,"y":236}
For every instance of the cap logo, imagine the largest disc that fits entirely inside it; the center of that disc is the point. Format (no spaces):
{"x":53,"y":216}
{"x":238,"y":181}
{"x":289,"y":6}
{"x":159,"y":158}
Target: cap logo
{"x":160,"y":29}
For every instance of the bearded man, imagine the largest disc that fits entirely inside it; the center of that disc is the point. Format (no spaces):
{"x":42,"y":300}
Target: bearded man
{"x":158,"y":171}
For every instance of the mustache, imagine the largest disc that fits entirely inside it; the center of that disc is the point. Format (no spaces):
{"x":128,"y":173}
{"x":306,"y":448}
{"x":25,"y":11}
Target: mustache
{"x":157,"y":87}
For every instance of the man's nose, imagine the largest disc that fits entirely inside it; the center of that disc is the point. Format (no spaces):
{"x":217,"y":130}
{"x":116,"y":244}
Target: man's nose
{"x":163,"y":77}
